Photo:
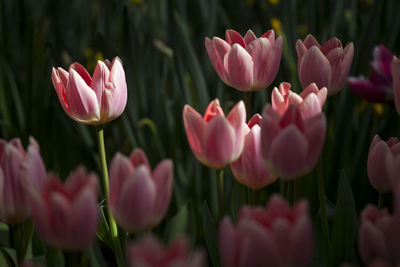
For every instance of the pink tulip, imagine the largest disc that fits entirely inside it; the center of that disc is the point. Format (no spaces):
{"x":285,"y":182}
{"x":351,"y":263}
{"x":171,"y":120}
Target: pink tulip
{"x":66,"y":215}
{"x":310,"y":101}
{"x":327,"y":65}
{"x":273,"y":236}
{"x":378,"y":87}
{"x":379,"y":237}
{"x":291,"y":145}
{"x":396,"y":82}
{"x":139,"y":197}
{"x":92,"y":100}
{"x":247,"y":64}
{"x":215,"y":140}
{"x":150,"y":252}
{"x":20,"y":172}
{"x":377,"y":162}
{"x":249,"y":169}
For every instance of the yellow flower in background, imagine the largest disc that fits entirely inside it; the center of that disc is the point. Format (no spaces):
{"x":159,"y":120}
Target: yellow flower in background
{"x":273,"y":2}
{"x":137,"y":2}
{"x":92,"y":57}
{"x":276,"y":24}
{"x":378,"y":108}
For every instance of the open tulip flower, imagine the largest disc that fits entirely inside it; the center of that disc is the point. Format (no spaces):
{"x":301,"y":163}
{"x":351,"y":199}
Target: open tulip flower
{"x":215,"y":140}
{"x":277,"y":235}
{"x":310,"y":101}
{"x":92,"y":100}
{"x":247,"y":64}
{"x":139,"y":197}
{"x":327,"y":65}
{"x":249,"y":169}
{"x":291,"y":145}
{"x":20,"y":171}
{"x":151,"y":252}
{"x":66,"y":215}
{"x":396,"y":82}
{"x":380,"y":152}
{"x":378,"y":87}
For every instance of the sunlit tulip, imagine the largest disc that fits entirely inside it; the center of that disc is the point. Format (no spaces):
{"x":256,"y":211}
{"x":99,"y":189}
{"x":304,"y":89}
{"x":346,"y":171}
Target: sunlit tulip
{"x":20,"y":171}
{"x":310,"y":101}
{"x":150,"y":252}
{"x":247,"y":64}
{"x":66,"y":215}
{"x":277,"y":235}
{"x":377,"y":162}
{"x":249,"y":169}
{"x":291,"y":145}
{"x":378,"y":87}
{"x":92,"y":100}
{"x":327,"y":65}
{"x":139,"y":197}
{"x":396,"y":82}
{"x":215,"y":140}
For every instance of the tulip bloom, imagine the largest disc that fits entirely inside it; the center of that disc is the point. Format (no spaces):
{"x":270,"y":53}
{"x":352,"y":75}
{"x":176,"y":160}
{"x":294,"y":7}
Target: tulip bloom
{"x":92,"y":100}
{"x":310,"y":101}
{"x":377,"y":162}
{"x":378,"y":87}
{"x":215,"y":140}
{"x":20,"y":171}
{"x":66,"y":215}
{"x":249,"y":169}
{"x":291,"y":145}
{"x":151,"y":252}
{"x":396,"y":82}
{"x":327,"y":65}
{"x":247,"y":64}
{"x":273,"y":236}
{"x":139,"y":197}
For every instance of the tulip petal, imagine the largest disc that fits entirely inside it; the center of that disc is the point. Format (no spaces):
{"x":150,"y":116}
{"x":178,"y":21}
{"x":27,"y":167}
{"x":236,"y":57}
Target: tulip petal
{"x":344,"y":67}
{"x":249,"y":37}
{"x":120,"y":170}
{"x":59,"y":209}
{"x":59,"y":78}
{"x":382,"y":60}
{"x":396,"y":82}
{"x":363,"y":88}
{"x":301,"y":237}
{"x":316,"y":68}
{"x":376,"y":167}
{"x":314,"y":132}
{"x":216,"y":50}
{"x":138,"y":157}
{"x":310,"y":41}
{"x":270,"y":35}
{"x":194,"y":127}
{"x":310,"y":106}
{"x":101,"y":76}
{"x":372,"y":244}
{"x":258,"y":51}
{"x":228,"y":243}
{"x":237,"y":119}
{"x":239,"y":66}
{"x":301,"y":49}
{"x":330,"y":45}
{"x":233,"y":37}
{"x":33,"y":171}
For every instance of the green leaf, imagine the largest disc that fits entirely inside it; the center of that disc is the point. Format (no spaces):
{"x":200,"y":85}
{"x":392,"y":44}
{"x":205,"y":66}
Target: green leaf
{"x":344,"y":226}
{"x":238,"y":199}
{"x":104,"y":232}
{"x":177,"y":225}
{"x":4,"y":260}
{"x":95,"y":256}
{"x":211,"y":235}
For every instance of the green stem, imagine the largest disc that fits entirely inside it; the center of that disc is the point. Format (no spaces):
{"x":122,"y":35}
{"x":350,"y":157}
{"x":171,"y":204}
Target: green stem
{"x":220,"y":175}
{"x":321,"y":194}
{"x":380,"y":200}
{"x":251,"y":197}
{"x":17,"y":239}
{"x":247,"y":103}
{"x":106,"y":188}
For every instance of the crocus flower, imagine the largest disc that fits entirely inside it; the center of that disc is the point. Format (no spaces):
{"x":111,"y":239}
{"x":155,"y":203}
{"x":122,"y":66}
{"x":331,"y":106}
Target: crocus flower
{"x":310,"y":101}
{"x":378,"y":87}
{"x":139,"y":197}
{"x":377,"y":162}
{"x":249,"y":169}
{"x":20,"y":171}
{"x":277,"y":235}
{"x":291,"y":145}
{"x":215,"y":140}
{"x":66,"y":215}
{"x":396,"y":82}
{"x":92,"y":100}
{"x":327,"y":65}
{"x":150,"y":252}
{"x":247,"y":64}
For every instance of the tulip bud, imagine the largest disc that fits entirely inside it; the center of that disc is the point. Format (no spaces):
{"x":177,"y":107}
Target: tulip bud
{"x":247,"y":64}
{"x":92,"y":100}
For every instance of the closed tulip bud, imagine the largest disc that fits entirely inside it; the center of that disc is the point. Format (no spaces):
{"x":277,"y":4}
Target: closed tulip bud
{"x":396,"y":82}
{"x":377,"y":162}
{"x":215,"y":140}
{"x":291,"y":145}
{"x":92,"y":100}
{"x":327,"y":65}
{"x":151,"y":252}
{"x":20,"y":172}
{"x":139,"y":197}
{"x":310,"y":101}
{"x":66,"y":215}
{"x":277,"y":235}
{"x":247,"y":64}
{"x":249,"y":169}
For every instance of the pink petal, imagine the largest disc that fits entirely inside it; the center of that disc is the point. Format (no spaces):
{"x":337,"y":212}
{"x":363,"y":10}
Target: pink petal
{"x":194,"y":127}
{"x":371,"y":242}
{"x":239,"y":66}
{"x":101,"y":76}
{"x":344,"y":67}
{"x":40,"y":215}
{"x":316,"y":68}
{"x":301,"y":49}
{"x":216,"y":50}
{"x":237,"y":119}
{"x":314,"y":132}
{"x":59,"y":213}
{"x":273,"y":61}
{"x":59,"y":78}
{"x":82,"y":72}
{"x":254,"y":120}
{"x":228,"y":243}
{"x":396,"y":82}
{"x":233,"y":37}
{"x":310,"y":41}
{"x":213,"y":109}
{"x":330,"y":45}
{"x":33,"y":171}
{"x":302,"y":242}
{"x":269,"y":130}
{"x":249,"y":37}
{"x":382,"y":60}
{"x":258,"y":51}
{"x":120,"y":171}
{"x":310,"y":107}
{"x":270,"y":35}
{"x":376,"y":167}
{"x":138,"y":157}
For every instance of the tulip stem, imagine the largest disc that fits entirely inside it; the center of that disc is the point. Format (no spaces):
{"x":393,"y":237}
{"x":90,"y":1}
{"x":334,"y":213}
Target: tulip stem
{"x":251,"y":196}
{"x":106,"y":190}
{"x":220,"y":175}
{"x":247,"y":103}
{"x":380,"y":200}
{"x":17,"y":236}
{"x":321,"y":194}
